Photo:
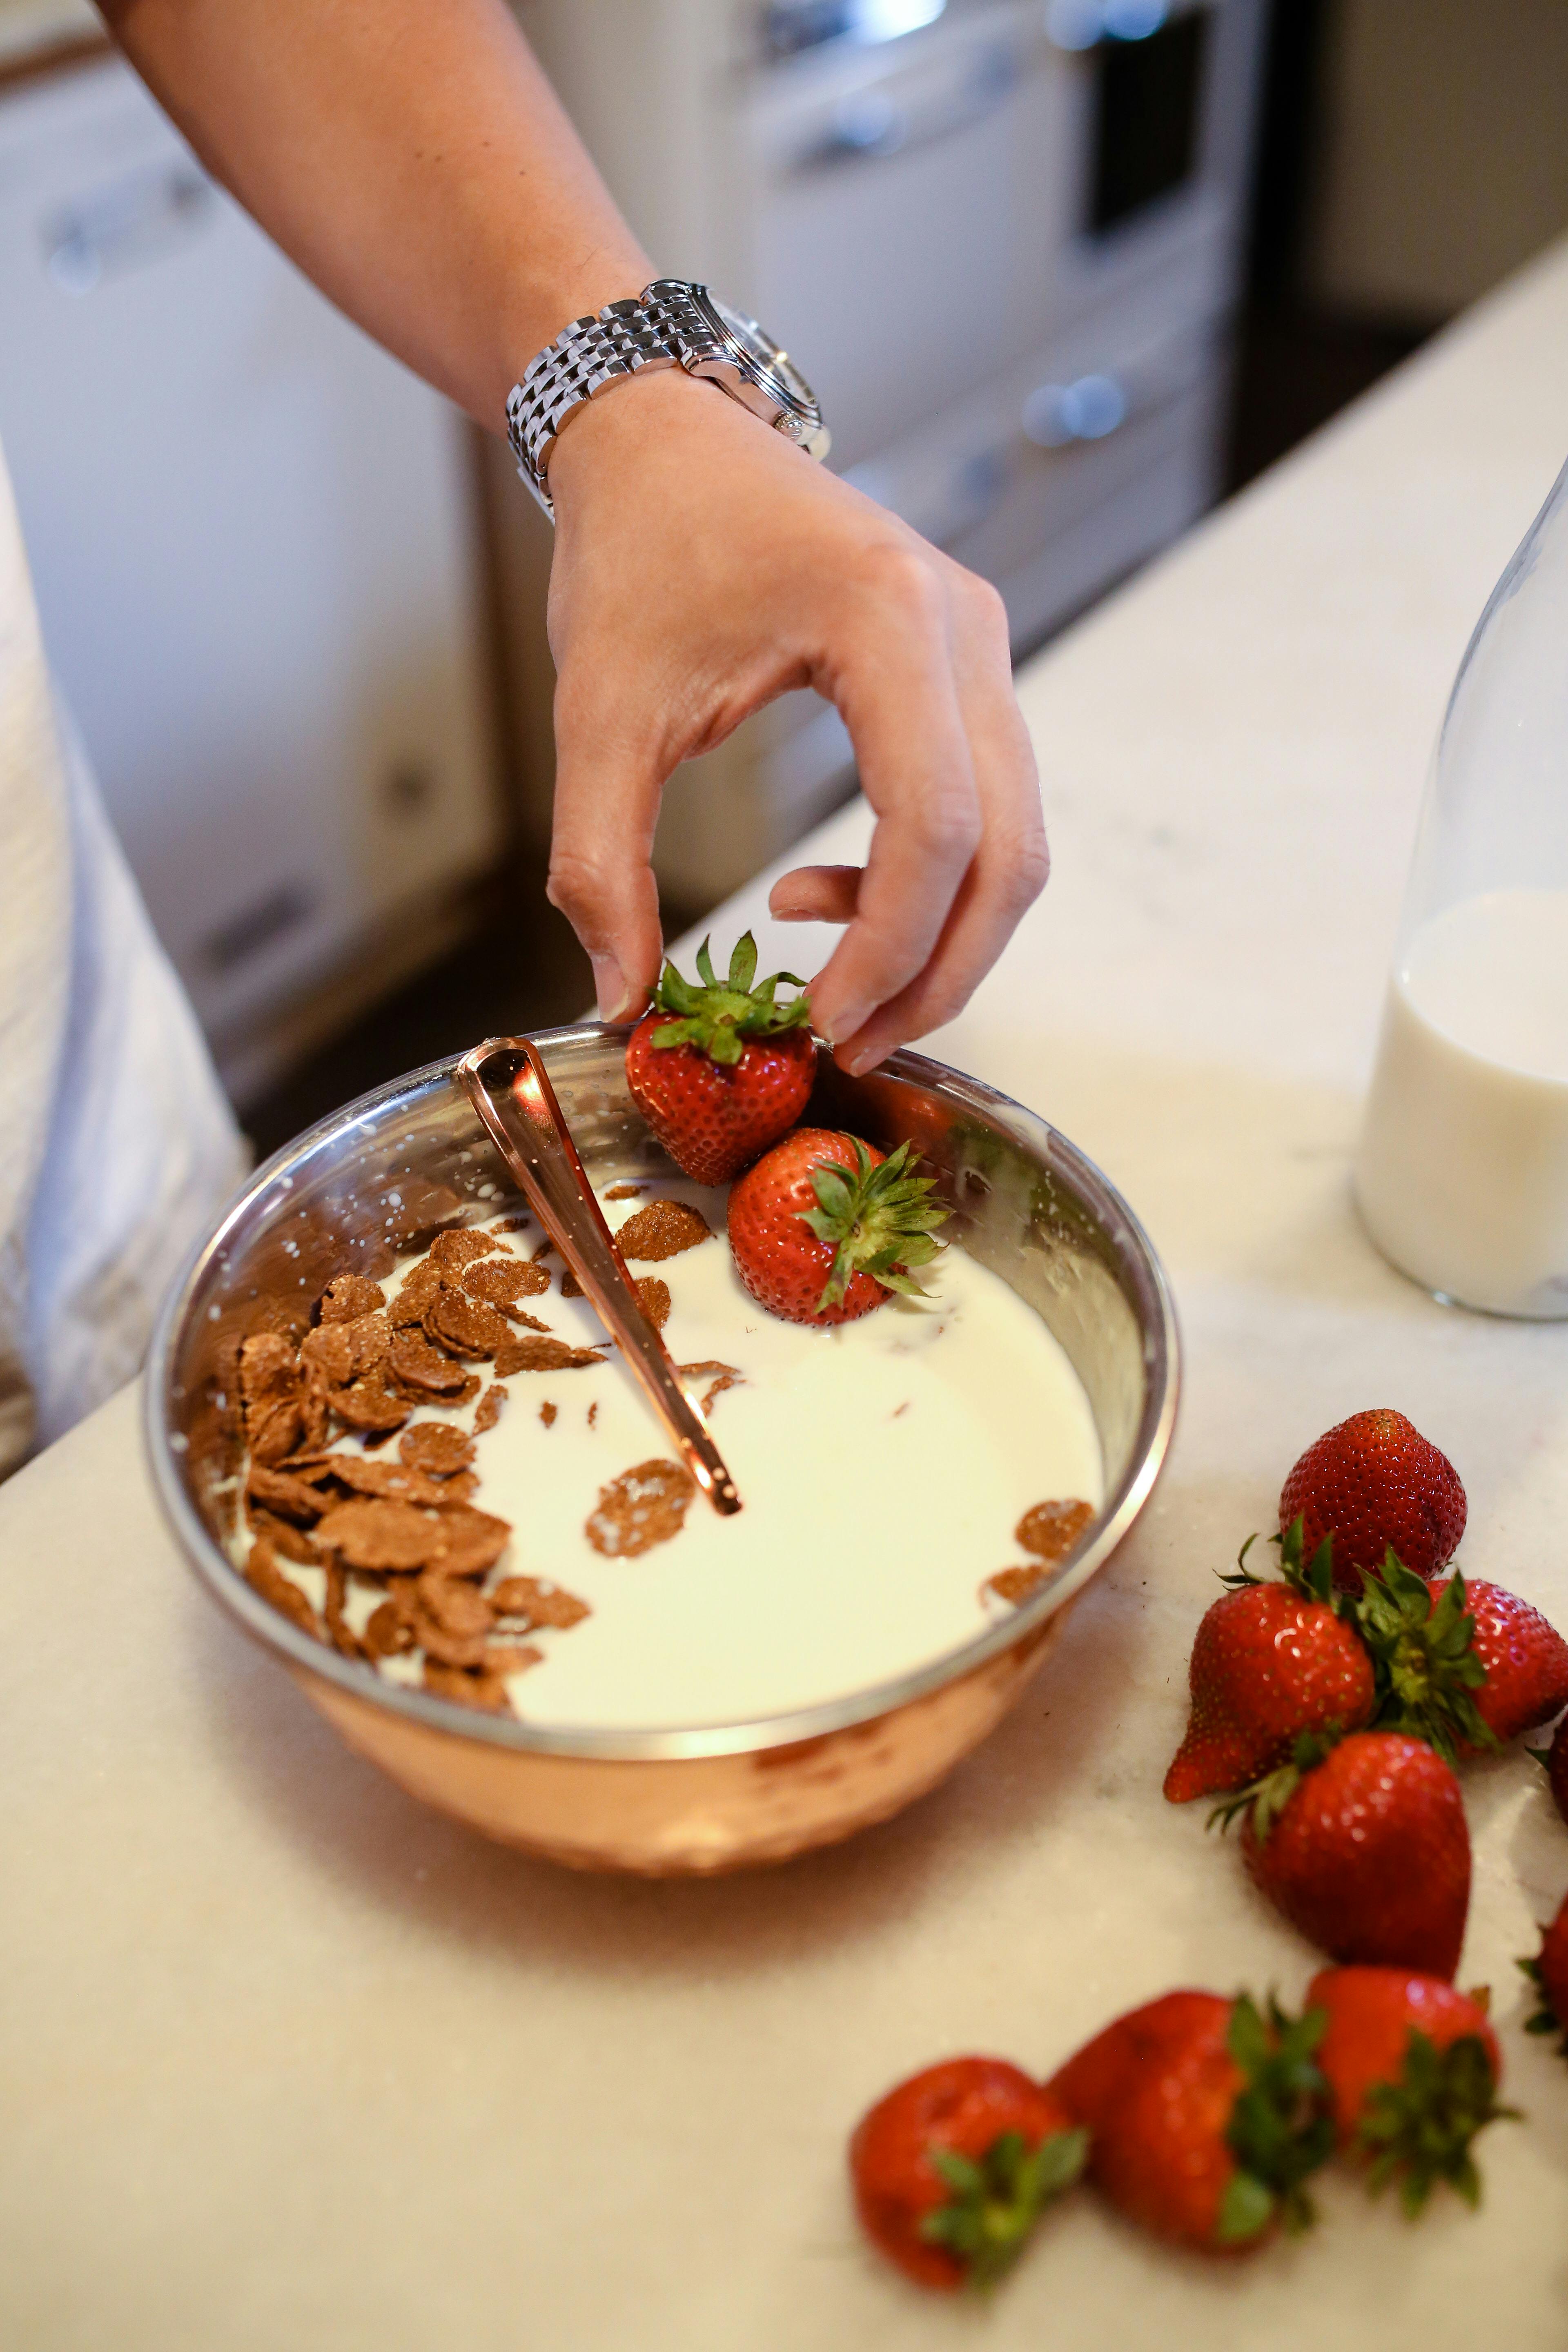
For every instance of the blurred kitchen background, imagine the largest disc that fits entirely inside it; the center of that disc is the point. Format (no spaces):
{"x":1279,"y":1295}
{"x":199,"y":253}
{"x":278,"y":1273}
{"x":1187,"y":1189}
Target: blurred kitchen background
{"x":1063,"y":272}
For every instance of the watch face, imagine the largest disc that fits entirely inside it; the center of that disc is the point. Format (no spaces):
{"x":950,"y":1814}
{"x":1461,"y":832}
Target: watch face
{"x":776,"y":366}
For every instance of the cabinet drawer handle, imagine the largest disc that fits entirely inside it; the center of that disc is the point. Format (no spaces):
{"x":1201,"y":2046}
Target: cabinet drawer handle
{"x":871,"y":124}
{"x":1088,"y":409}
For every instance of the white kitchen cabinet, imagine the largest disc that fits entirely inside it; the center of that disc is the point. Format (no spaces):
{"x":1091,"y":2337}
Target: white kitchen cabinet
{"x":252,"y":539}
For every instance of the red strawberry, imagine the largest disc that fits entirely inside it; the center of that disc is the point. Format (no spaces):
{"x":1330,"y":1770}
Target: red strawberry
{"x":1464,"y":1665}
{"x":1412,"y":2068}
{"x":1364,"y":1847}
{"x":1430,"y":1679}
{"x":823,"y":1228}
{"x":1203,"y":2117}
{"x":1525,"y":1658}
{"x":1270,"y":1661}
{"x":1548,"y":1973}
{"x":720,"y":1071}
{"x":1375,"y":1484}
{"x":953,"y":2168}
{"x":1555,"y":1761}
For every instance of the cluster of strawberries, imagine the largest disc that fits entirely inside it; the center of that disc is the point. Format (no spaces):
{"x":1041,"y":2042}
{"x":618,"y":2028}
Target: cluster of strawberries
{"x":1330,"y":1707}
{"x":1201,"y":2116}
{"x":823,"y":1226}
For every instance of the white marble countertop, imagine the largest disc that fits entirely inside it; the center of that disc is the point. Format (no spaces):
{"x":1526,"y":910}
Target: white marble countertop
{"x":286,"y":2062}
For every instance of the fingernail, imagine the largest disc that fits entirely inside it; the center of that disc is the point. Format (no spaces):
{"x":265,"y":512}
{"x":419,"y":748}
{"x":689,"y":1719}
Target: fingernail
{"x":845,"y":1024}
{"x":609,"y":987}
{"x":865,"y":1059}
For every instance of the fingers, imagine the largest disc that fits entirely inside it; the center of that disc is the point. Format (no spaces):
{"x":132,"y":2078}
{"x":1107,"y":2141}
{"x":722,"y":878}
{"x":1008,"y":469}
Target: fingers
{"x":607,"y":803}
{"x":1010,"y":866}
{"x":893,"y":676}
{"x":984,"y":760}
{"x":816,"y":894}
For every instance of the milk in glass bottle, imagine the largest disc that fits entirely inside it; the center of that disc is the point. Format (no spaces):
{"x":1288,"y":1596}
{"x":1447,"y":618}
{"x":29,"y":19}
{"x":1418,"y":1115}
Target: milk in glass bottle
{"x":1462,"y":1170}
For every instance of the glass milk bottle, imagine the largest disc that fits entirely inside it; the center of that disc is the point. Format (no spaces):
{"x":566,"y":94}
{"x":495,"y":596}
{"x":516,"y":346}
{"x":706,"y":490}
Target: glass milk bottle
{"x":1462,"y":1171}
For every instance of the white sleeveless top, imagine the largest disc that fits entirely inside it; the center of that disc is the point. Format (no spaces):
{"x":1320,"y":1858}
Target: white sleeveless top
{"x":117,"y":1148}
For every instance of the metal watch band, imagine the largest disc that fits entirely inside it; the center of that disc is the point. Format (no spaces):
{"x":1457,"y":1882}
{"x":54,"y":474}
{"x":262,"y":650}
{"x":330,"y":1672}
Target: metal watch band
{"x":622,"y":339}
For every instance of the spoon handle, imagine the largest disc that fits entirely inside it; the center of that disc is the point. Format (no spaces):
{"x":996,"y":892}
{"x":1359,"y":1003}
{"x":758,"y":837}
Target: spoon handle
{"x":507,"y":1081}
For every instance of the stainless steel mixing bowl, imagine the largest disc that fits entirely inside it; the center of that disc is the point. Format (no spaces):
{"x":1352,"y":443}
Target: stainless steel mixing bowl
{"x":374,"y":1179}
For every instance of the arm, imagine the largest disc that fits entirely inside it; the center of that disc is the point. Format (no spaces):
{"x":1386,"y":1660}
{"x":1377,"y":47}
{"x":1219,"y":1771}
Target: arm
{"x":414,"y":162}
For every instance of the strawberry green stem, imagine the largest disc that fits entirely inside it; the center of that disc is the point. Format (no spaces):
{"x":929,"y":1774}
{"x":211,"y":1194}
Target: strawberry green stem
{"x":1313,"y":1579}
{"x":1545,"y":2019}
{"x":1279,"y":2132}
{"x":1267,"y":1798}
{"x":1419,"y":2131}
{"x":718,"y":1016}
{"x":875,"y":1220}
{"x":996,"y":2201}
{"x":1423,"y":1655}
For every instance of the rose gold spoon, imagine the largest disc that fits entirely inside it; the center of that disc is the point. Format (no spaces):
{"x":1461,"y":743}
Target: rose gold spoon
{"x":505,"y":1081}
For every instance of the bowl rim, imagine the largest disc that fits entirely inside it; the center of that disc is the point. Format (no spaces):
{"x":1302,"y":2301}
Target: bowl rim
{"x":302,"y":1654}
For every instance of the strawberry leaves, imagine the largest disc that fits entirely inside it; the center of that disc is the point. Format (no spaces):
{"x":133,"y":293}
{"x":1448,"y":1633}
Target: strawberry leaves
{"x":1424,"y":1657}
{"x":1313,"y":1579}
{"x":1419,"y":2129}
{"x":1241,"y":1576}
{"x":996,"y":2201}
{"x":718,"y":1016}
{"x":743,"y":964}
{"x":1279,"y":2131}
{"x":875,"y":1220}
{"x":1267,"y":1798}
{"x":1422,"y":1650}
{"x":1545,"y":2018}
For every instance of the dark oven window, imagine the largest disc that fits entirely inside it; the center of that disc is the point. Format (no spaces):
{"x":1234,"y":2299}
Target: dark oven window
{"x":1148,"y":115}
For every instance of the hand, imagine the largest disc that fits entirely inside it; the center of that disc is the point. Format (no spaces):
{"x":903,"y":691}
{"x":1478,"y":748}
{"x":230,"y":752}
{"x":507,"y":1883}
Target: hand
{"x":703,"y":566}
{"x":415,"y":163}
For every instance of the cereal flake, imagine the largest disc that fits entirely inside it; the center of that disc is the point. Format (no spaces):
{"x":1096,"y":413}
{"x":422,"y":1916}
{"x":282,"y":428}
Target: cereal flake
{"x":662,"y":1230}
{"x":644,"y":1506}
{"x":1050,"y":1529}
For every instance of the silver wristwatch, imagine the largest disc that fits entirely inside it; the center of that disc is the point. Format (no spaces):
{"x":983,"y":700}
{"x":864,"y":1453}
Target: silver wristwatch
{"x":672,"y":323}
